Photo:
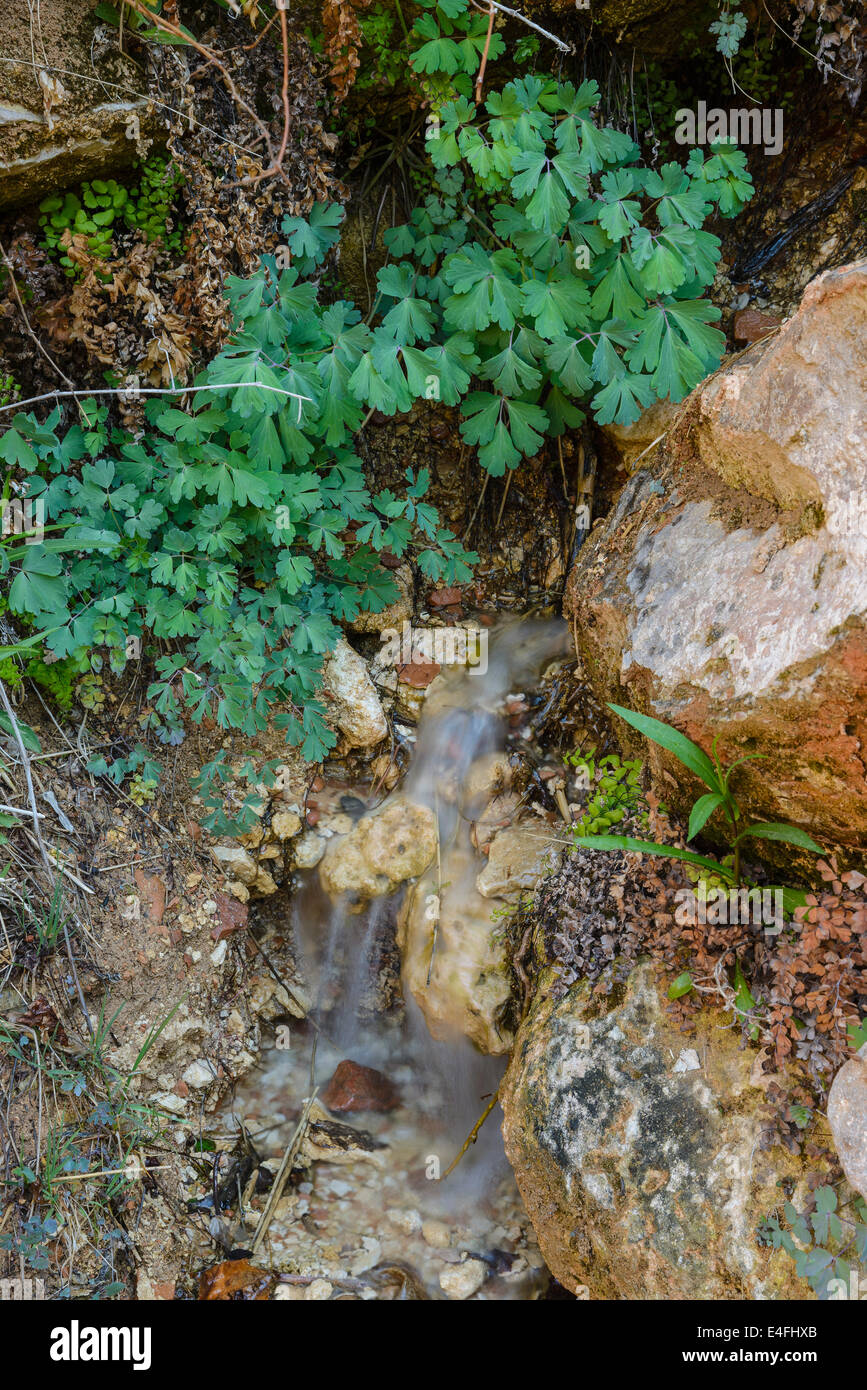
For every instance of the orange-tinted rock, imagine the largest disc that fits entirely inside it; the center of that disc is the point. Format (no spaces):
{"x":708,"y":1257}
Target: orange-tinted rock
{"x":418,"y":674}
{"x":232,"y":916}
{"x":444,"y":598}
{"x":153,"y":895}
{"x":751,"y":325}
{"x":354,"y":1087}
{"x":726,"y":592}
{"x":237,"y":1280}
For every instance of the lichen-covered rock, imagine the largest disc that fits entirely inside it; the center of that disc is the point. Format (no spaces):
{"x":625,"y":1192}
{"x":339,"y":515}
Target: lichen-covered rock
{"x":637,"y":1151}
{"x":726,"y":592}
{"x":357,"y":709}
{"x":394,"y":843}
{"x":847,"y":1116}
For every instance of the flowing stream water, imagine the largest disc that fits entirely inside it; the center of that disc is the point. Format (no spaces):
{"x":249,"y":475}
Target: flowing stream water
{"x":355,"y":1226}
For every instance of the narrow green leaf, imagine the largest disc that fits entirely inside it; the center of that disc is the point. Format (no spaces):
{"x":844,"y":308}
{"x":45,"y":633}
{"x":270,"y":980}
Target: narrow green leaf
{"x":675,"y":742}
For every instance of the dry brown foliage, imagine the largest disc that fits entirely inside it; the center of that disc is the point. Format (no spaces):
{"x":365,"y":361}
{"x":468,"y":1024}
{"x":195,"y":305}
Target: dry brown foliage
{"x":342,"y":42}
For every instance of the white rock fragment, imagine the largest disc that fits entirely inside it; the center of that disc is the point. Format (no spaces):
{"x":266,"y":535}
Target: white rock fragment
{"x":463,"y":1280}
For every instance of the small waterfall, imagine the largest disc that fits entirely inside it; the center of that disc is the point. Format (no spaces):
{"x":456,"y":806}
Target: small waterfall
{"x":344,"y":952}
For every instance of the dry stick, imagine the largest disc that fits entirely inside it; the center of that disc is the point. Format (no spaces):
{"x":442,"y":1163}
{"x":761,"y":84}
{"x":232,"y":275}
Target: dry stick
{"x":277,"y":164}
{"x":476,"y":512}
{"x":658,"y":440}
{"x":564,"y":47}
{"x":25,"y":763}
{"x":153,"y":391}
{"x":31,"y":796}
{"x":480,"y":80}
{"x":503,"y":502}
{"x":472,"y":1136}
{"x":283,"y":1173}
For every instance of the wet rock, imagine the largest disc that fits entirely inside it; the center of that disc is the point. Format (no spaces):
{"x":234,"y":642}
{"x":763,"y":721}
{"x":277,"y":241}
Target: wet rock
{"x":309,"y":849}
{"x":847,"y":1116}
{"x":318,"y":1291}
{"x":519,"y":856}
{"x":455,"y":961}
{"x":357,"y":709}
{"x":463,"y":1280}
{"x":336,"y":1143}
{"x":384,"y":849}
{"x":385,"y":772}
{"x":644,"y":1180}
{"x":726,"y":592}
{"x":355,"y":1087}
{"x":486,"y":777}
{"x":437,"y":1234}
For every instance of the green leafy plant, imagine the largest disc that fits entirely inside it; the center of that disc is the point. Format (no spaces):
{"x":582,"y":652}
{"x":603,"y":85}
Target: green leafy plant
{"x":236,"y":535}
{"x":613,"y":787}
{"x":104,"y":204}
{"x":825,"y":1242}
{"x":149,"y":207}
{"x":718,"y":798}
{"x":93,"y":215}
{"x":729,"y":30}
{"x":548,"y":268}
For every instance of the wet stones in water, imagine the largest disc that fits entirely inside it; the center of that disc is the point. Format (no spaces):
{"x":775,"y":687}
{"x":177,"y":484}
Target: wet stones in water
{"x":354,"y":1087}
{"x":352,"y":806}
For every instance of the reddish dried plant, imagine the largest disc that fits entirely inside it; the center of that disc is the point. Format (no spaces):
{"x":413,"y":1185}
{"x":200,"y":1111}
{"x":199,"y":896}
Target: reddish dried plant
{"x":343,"y":39}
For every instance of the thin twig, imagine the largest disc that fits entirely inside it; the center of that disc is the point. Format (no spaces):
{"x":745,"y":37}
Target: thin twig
{"x":472,"y":1136}
{"x":513,"y":14}
{"x":283,"y":1172}
{"x":480,"y":80}
{"x":152,"y":391}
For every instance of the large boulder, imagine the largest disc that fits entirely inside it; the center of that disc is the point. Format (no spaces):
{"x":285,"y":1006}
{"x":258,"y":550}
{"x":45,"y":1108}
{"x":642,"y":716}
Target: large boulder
{"x":726,"y":592}
{"x":637,"y":1151}
{"x":76,"y":111}
{"x":847,"y":1116}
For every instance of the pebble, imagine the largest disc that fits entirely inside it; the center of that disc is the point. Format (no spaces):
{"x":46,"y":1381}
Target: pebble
{"x":462,"y":1281}
{"x":407,"y":1221}
{"x":318,"y":1291}
{"x":437,"y":1234}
